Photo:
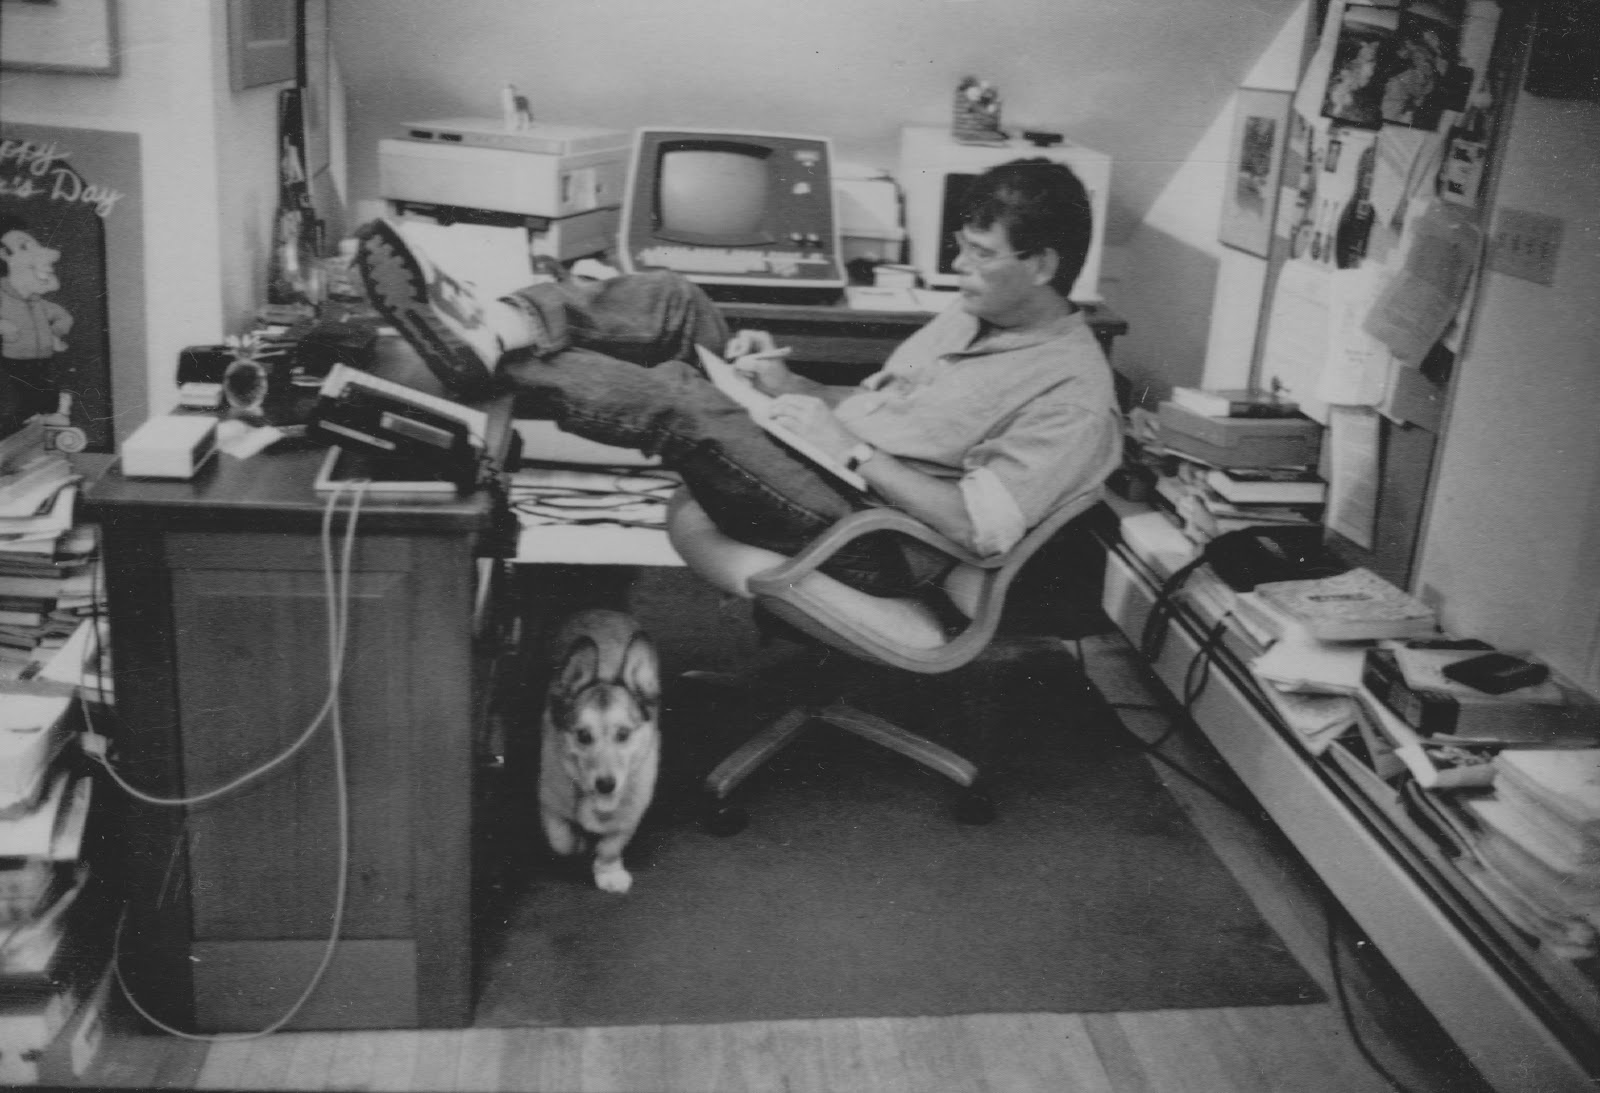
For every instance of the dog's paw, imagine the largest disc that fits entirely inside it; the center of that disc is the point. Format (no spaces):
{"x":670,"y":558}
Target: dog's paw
{"x":612,"y":877}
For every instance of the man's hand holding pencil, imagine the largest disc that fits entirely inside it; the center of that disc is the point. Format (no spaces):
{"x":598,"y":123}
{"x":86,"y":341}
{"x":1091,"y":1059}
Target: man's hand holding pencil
{"x":756,"y":357}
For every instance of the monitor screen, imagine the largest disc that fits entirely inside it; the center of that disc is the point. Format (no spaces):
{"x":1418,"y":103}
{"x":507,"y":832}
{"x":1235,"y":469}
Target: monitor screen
{"x":713,"y":192}
{"x":732,"y":208}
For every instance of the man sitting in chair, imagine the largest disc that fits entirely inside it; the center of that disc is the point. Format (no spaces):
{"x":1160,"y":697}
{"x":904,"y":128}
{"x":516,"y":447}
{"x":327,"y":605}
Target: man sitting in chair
{"x":997,"y":412}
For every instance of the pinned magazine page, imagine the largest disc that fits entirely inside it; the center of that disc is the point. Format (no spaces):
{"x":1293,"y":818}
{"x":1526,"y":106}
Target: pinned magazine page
{"x":759,"y":403}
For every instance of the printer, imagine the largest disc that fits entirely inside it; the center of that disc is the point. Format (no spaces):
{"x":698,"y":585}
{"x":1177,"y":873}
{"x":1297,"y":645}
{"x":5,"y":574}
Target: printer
{"x":563,"y":184}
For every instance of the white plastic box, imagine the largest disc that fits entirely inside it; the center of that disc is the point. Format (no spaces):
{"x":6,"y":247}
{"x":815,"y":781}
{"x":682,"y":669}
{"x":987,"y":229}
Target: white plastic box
{"x":170,"y":446}
{"x":930,"y":155}
{"x":501,"y":180}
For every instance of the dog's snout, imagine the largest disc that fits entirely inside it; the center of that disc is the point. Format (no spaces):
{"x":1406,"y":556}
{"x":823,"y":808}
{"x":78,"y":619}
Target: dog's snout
{"x":605,"y":784}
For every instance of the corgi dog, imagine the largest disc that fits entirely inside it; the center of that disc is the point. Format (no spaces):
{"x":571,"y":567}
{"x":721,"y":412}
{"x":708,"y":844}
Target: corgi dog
{"x":600,"y":741}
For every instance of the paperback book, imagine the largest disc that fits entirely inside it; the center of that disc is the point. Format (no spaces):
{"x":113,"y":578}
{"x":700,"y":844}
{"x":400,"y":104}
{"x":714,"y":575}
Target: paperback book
{"x":1356,"y":605}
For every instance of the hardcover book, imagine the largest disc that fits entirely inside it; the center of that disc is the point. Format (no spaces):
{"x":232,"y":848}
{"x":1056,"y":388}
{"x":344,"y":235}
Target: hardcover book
{"x":1436,"y":713}
{"x":1357,"y":605}
{"x":1245,"y":486}
{"x":1233,"y":403}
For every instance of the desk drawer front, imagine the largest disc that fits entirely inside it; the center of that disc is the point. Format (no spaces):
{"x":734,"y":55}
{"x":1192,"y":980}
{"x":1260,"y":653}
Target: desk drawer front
{"x":263,"y":551}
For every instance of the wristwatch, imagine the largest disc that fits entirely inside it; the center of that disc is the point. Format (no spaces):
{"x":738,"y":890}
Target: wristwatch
{"x":859,"y":455}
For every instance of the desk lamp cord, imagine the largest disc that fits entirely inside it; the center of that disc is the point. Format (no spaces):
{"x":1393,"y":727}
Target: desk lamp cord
{"x":338,"y":600}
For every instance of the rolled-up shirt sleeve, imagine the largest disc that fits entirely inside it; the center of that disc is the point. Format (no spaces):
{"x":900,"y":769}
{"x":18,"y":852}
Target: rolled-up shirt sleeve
{"x":1053,"y":452}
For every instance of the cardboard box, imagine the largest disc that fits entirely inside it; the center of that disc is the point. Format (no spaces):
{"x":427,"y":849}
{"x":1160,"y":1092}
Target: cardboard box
{"x":1241,"y":441}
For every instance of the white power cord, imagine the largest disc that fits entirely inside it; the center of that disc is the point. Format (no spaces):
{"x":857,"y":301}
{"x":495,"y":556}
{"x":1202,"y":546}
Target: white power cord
{"x":338,"y":599}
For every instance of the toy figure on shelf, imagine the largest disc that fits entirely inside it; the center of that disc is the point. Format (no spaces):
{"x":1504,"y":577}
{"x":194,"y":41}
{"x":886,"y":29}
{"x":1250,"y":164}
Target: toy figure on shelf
{"x":976,"y":117}
{"x":516,"y":111}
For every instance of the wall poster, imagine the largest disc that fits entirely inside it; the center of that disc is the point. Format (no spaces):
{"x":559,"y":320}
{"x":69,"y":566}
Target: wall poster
{"x":72,"y":277}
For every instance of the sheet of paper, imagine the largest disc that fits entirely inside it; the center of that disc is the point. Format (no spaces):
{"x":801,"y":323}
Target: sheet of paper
{"x":1399,"y":150}
{"x":759,"y":403}
{"x":1357,"y":369}
{"x":1421,"y":297}
{"x":1314,"y":83}
{"x":1296,"y":348}
{"x":495,"y":259}
{"x":1351,"y":446}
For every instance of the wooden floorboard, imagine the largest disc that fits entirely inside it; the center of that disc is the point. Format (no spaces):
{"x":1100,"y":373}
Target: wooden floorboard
{"x":1268,"y":1049}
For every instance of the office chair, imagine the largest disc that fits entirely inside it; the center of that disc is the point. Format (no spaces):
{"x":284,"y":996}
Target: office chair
{"x":957,"y":624}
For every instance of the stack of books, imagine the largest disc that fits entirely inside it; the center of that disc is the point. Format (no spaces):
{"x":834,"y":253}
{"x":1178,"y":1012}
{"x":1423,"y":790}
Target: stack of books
{"x":49,"y":585}
{"x":54,"y":920}
{"x":1228,"y":460}
{"x":1410,"y":684}
{"x":1537,"y":841}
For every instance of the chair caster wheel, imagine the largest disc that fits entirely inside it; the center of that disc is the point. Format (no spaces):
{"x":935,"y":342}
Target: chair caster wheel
{"x":722,"y":819}
{"x":975,"y":806}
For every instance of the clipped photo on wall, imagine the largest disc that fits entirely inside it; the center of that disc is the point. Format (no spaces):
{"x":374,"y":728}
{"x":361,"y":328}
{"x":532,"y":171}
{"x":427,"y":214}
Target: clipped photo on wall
{"x":1422,"y":79}
{"x":1361,"y":59}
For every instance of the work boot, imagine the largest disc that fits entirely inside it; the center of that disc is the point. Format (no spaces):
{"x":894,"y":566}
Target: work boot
{"x":442,"y":318}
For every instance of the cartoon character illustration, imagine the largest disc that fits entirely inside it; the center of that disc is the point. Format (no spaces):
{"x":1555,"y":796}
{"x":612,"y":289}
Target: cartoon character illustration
{"x":32,"y":329}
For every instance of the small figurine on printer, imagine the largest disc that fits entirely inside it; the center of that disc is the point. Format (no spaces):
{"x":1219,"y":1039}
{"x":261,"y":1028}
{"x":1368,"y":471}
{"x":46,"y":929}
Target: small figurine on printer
{"x":976,"y":118}
{"x":516,"y":112}
{"x":32,"y":329}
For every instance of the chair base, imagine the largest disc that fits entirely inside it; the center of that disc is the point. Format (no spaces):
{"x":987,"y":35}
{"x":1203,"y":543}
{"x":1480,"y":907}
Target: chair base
{"x":983,"y":688}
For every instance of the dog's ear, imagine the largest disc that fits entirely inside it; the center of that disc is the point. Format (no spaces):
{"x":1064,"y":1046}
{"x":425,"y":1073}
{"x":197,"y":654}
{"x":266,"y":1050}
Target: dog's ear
{"x":580,"y":667}
{"x":640,"y":673}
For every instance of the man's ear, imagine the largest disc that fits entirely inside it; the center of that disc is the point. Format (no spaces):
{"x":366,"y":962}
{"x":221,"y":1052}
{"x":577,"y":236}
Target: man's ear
{"x":1049,"y":262}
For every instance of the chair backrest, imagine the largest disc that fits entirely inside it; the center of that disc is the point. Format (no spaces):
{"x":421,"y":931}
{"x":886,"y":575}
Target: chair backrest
{"x":914,"y":633}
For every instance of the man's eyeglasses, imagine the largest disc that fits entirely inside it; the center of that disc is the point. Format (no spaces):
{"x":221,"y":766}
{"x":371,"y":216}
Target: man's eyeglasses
{"x":978,"y":256}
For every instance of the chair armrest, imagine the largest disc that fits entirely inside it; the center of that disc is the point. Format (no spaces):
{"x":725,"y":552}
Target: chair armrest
{"x":853,"y":527}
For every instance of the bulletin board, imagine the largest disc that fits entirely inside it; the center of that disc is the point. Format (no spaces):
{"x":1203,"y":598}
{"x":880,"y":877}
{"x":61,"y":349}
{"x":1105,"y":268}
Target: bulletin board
{"x":77,"y":192}
{"x":1376,"y":247}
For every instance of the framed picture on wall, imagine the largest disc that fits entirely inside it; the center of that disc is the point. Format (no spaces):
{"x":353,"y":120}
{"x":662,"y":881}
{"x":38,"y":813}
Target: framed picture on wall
{"x":1255,"y":168}
{"x":263,"y":42}
{"x":60,"y":36}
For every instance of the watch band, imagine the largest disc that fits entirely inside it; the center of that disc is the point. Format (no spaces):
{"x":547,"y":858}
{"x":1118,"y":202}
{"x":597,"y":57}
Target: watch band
{"x":859,"y":455}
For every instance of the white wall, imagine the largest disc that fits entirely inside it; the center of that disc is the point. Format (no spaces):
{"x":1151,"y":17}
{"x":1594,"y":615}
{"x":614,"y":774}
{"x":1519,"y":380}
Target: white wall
{"x":1193,"y":304}
{"x":208,"y":165}
{"x":1512,"y":547}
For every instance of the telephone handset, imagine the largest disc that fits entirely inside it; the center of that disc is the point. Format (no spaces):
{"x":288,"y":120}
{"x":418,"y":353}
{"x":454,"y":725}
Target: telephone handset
{"x":1259,"y":555}
{"x":413,"y":431}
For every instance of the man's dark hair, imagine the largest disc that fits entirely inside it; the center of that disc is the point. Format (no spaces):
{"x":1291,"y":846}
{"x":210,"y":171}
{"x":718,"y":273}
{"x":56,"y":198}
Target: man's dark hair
{"x":1042,"y":204}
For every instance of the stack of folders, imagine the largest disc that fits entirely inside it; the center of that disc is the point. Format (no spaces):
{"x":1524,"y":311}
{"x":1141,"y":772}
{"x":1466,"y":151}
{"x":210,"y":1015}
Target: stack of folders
{"x":54,"y":954}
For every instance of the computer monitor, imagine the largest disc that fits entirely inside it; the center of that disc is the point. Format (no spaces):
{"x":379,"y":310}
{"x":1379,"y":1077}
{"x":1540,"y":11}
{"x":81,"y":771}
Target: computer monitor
{"x":935,"y":171}
{"x":730,"y":209}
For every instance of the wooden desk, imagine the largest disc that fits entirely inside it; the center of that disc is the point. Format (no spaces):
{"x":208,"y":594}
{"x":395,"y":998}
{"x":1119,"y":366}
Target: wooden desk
{"x":837,"y":344}
{"x":218,"y":622}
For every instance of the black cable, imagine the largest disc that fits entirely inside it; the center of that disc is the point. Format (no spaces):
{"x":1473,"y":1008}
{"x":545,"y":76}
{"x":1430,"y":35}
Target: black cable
{"x":1333,"y":913}
{"x":1163,"y":610}
{"x":1194,"y":682}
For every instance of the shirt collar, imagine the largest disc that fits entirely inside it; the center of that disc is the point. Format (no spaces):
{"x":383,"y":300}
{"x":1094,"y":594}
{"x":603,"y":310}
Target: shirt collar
{"x":1000,"y":340}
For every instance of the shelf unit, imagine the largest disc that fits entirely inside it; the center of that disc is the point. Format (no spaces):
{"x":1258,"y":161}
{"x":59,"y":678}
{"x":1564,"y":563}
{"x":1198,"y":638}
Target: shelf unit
{"x":1468,"y":969}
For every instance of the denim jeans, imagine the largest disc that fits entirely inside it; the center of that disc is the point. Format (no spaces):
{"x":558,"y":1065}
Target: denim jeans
{"x":618,"y":365}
